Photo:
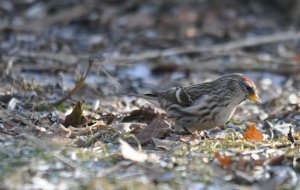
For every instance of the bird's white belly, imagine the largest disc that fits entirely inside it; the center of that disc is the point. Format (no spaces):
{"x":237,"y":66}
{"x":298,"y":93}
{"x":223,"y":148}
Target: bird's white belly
{"x":221,"y":118}
{"x":217,"y":117}
{"x":225,"y":114}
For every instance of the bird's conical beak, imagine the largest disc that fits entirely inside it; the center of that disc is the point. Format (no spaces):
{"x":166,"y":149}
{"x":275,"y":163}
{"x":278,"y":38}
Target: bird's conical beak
{"x":254,"y":97}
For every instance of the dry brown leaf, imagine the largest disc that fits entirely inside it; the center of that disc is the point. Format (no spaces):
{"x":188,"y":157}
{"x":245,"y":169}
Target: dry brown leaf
{"x":297,"y":58}
{"x":145,"y":113}
{"x":276,"y":161}
{"x":157,"y":129}
{"x":253,"y":134}
{"x":75,"y":118}
{"x":225,"y":161}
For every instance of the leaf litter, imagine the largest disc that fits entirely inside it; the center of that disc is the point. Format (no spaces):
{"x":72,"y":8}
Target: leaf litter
{"x":47,"y":143}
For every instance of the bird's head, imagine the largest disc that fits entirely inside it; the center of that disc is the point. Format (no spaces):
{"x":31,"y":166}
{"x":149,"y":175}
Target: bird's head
{"x":250,"y":89}
{"x":243,"y":86}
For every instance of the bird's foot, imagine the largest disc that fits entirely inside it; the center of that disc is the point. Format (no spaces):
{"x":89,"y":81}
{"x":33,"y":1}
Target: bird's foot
{"x":202,"y":135}
{"x":196,"y":135}
{"x":179,"y":131}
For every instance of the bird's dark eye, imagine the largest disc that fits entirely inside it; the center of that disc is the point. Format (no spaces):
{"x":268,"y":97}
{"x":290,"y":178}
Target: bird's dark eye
{"x":249,"y":89}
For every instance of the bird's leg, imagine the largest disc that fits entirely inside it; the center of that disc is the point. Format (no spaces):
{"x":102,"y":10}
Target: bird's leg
{"x":222,"y":127}
{"x":206,"y":136}
{"x":185,"y":135}
{"x":178,"y":130}
{"x":187,"y":132}
{"x":202,"y":135}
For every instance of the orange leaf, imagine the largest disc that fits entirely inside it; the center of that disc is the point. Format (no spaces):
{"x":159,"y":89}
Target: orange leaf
{"x":225,"y":161}
{"x":253,"y":134}
{"x":297,"y":57}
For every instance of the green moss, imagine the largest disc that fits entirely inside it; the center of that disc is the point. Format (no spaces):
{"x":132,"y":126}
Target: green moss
{"x":37,"y":87}
{"x":61,"y":107}
{"x":41,"y":108}
{"x":86,"y":107}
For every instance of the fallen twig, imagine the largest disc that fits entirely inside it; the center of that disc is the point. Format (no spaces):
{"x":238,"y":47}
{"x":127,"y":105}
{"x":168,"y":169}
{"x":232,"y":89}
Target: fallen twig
{"x":63,"y":16}
{"x":89,"y":130}
{"x":115,"y":82}
{"x":245,"y":62}
{"x":117,"y":58}
{"x":59,"y":57}
{"x":79,"y":84}
{"x":237,"y":44}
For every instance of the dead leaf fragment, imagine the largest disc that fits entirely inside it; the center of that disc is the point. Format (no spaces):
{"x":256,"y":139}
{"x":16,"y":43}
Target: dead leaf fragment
{"x":225,"y":161}
{"x":297,"y":58}
{"x":130,"y":153}
{"x":290,"y":135}
{"x":157,"y":129}
{"x":145,"y":113}
{"x":276,"y":161}
{"x":75,"y":118}
{"x":253,"y":134}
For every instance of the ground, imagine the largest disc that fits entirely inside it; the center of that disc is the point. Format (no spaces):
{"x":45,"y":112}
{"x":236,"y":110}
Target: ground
{"x":68,"y":119}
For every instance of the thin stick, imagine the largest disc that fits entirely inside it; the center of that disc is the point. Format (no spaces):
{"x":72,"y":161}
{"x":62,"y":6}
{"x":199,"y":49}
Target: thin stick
{"x":137,"y":141}
{"x":125,"y":59}
{"x":79,"y":84}
{"x":225,"y":47}
{"x":63,"y":16}
{"x":116,"y":84}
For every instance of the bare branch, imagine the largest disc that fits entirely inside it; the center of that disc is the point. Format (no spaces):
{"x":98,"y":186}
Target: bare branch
{"x":79,"y":84}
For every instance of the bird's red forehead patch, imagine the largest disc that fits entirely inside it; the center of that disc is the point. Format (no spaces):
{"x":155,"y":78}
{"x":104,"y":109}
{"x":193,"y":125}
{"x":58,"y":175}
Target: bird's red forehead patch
{"x":249,"y":81}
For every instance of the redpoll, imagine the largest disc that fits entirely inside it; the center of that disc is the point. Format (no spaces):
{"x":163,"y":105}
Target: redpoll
{"x":206,"y":105}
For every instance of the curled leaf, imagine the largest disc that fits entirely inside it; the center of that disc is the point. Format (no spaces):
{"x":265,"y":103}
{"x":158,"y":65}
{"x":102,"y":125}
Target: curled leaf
{"x":75,"y":118}
{"x":253,"y":134}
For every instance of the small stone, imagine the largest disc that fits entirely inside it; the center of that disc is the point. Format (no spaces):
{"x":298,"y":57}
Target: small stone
{"x":96,"y":105}
{"x":293,"y":99}
{"x":12,"y":104}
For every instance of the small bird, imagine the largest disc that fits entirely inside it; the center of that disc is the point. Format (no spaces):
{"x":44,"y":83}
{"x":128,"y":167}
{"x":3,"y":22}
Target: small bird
{"x":206,"y":105}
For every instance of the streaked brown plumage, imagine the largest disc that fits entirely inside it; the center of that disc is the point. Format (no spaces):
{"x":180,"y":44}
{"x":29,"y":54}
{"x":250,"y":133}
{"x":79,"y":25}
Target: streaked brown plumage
{"x":206,"y":105}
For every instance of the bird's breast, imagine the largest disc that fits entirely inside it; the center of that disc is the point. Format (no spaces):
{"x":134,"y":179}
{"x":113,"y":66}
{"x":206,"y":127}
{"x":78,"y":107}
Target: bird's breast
{"x":225,"y":114}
